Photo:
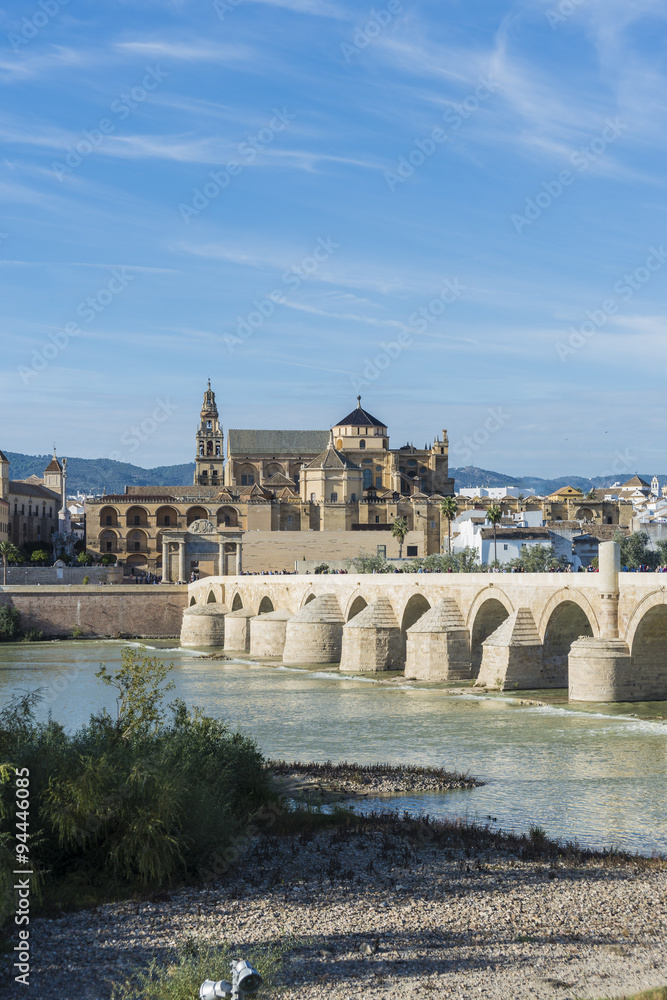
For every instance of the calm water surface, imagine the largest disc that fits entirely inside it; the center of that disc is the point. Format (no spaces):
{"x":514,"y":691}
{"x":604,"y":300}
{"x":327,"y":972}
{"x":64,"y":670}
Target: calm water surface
{"x":596,"y":774}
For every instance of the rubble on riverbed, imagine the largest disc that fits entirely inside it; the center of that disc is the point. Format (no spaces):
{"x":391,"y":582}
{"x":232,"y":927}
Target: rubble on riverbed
{"x":388,"y":907}
{"x":348,"y":780}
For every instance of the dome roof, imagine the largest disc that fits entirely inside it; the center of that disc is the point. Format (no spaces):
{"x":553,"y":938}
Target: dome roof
{"x":360,"y":418}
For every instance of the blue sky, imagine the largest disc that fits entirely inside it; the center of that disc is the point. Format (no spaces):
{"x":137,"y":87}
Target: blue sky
{"x":456,"y":209}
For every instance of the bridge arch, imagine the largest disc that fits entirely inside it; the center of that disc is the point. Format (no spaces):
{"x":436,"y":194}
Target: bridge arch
{"x":355,"y":605}
{"x":652,"y":600}
{"x":647,"y":640}
{"x":416,"y":606}
{"x":237,"y":602}
{"x":211,"y":599}
{"x":567,"y":617}
{"x":265,"y":605}
{"x":488,"y":611}
{"x":310,"y":596}
{"x":193,"y":600}
{"x":568,"y":595}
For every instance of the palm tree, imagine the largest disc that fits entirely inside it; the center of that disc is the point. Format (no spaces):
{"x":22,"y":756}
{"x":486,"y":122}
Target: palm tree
{"x":449,"y":508}
{"x":7,"y":551}
{"x":399,"y":530}
{"x":494,"y":515}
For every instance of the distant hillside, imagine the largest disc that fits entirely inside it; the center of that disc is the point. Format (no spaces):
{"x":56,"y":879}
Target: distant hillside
{"x":472,"y":476}
{"x":95,"y":475}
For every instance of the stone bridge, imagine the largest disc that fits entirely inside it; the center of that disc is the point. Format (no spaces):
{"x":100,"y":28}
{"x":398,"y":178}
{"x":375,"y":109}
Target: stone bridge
{"x":601,"y":635}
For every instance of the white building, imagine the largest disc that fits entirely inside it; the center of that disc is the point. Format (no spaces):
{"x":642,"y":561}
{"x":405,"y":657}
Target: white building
{"x":495,"y":492}
{"x":510,"y":539}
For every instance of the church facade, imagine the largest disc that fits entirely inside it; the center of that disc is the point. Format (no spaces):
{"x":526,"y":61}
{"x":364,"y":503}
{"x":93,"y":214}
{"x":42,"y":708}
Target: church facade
{"x":345,"y":480}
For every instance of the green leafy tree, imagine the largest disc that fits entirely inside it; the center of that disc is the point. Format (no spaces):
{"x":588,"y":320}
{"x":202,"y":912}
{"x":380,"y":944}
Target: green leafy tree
{"x":9,"y":553}
{"x":39,"y":556}
{"x":10,"y":623}
{"x":370,"y":564}
{"x":138,"y":683}
{"x":84,"y":559}
{"x":635,"y":551}
{"x":399,"y":530}
{"x":449,"y":509}
{"x":494,"y":516}
{"x":539,"y":559}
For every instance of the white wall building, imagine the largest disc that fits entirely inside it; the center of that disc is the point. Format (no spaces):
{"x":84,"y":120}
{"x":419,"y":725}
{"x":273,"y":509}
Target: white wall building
{"x":495,"y":492}
{"x":477,"y":534}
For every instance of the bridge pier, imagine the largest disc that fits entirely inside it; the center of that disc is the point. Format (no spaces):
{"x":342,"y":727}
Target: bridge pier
{"x":237,"y":630}
{"x":438,"y":645}
{"x":203,"y":625}
{"x":512,"y":655}
{"x":372,"y":640}
{"x":268,"y":633}
{"x":599,"y":669}
{"x":315,"y":634}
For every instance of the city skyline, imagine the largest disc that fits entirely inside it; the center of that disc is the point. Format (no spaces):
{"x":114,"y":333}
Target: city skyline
{"x":455,"y":212}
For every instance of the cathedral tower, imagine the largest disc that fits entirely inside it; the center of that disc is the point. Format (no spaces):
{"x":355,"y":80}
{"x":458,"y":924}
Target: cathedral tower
{"x":209,"y":460}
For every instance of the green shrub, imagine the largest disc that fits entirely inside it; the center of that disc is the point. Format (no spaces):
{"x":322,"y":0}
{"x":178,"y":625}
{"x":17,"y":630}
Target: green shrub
{"x":33,"y":635}
{"x":10,"y":623}
{"x":180,"y":980}
{"x":77,"y":631}
{"x":147,"y":797}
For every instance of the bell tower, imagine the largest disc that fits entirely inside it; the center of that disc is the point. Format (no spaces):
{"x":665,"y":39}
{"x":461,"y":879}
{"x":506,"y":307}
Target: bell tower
{"x":209,"y":459}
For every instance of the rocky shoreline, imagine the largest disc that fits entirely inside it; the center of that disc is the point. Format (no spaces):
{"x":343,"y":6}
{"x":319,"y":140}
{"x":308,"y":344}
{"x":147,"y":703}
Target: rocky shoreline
{"x":330,"y":781}
{"x":386,"y":907}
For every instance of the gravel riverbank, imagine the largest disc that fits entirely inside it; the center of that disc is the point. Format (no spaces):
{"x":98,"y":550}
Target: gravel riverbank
{"x":389,"y":909}
{"x":360,"y":780}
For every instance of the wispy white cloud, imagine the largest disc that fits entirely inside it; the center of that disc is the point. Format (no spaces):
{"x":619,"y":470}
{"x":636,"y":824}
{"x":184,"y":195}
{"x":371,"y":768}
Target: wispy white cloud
{"x":200,"y":51}
{"x":318,"y":8}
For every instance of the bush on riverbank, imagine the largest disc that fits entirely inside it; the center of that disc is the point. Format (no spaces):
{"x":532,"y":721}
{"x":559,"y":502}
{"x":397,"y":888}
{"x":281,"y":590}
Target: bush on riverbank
{"x":10,"y":623}
{"x":156,"y":794}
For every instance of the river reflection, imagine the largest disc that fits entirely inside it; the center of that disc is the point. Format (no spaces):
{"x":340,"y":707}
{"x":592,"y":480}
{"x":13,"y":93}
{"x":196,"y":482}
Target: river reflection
{"x":591,"y":775}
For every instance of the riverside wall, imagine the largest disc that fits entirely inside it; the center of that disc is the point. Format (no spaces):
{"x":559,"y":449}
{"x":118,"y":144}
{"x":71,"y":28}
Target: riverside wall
{"x":126,"y":611}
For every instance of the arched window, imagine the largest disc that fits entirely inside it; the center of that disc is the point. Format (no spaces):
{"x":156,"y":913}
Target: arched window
{"x":368,"y":478}
{"x":362,"y":444}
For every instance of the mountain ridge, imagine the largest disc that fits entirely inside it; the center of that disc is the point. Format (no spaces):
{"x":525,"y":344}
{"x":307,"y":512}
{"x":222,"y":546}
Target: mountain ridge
{"x":104,"y":475}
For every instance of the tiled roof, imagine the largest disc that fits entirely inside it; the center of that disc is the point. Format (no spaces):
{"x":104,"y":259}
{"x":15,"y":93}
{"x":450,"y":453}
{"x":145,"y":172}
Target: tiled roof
{"x":30,"y":490}
{"x":331,"y":458}
{"x":3,"y":457}
{"x":536,"y":534}
{"x":278,"y":480}
{"x":258,"y":442}
{"x":637,"y":481}
{"x":54,"y":466}
{"x":359,"y":418}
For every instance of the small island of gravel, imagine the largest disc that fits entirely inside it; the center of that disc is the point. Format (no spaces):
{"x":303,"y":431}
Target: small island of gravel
{"x":352,"y":780}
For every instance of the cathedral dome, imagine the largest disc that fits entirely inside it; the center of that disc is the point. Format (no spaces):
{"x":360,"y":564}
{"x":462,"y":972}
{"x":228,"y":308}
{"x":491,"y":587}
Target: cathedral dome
{"x":360,"y":418}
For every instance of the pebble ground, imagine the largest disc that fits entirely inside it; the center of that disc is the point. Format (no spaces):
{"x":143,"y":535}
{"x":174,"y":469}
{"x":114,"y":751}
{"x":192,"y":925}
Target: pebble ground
{"x":369,"y":913}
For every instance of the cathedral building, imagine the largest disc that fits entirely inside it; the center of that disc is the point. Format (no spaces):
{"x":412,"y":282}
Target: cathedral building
{"x":312,"y":483}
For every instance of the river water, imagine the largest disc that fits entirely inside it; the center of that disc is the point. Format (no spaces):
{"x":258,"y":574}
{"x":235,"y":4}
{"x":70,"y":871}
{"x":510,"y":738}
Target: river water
{"x":592,"y":773}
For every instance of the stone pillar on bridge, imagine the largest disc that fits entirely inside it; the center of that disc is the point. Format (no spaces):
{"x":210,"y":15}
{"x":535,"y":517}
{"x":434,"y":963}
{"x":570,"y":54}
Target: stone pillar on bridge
{"x":372,"y":640}
{"x":513,"y":654}
{"x":599,"y":669}
{"x":438,"y":645}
